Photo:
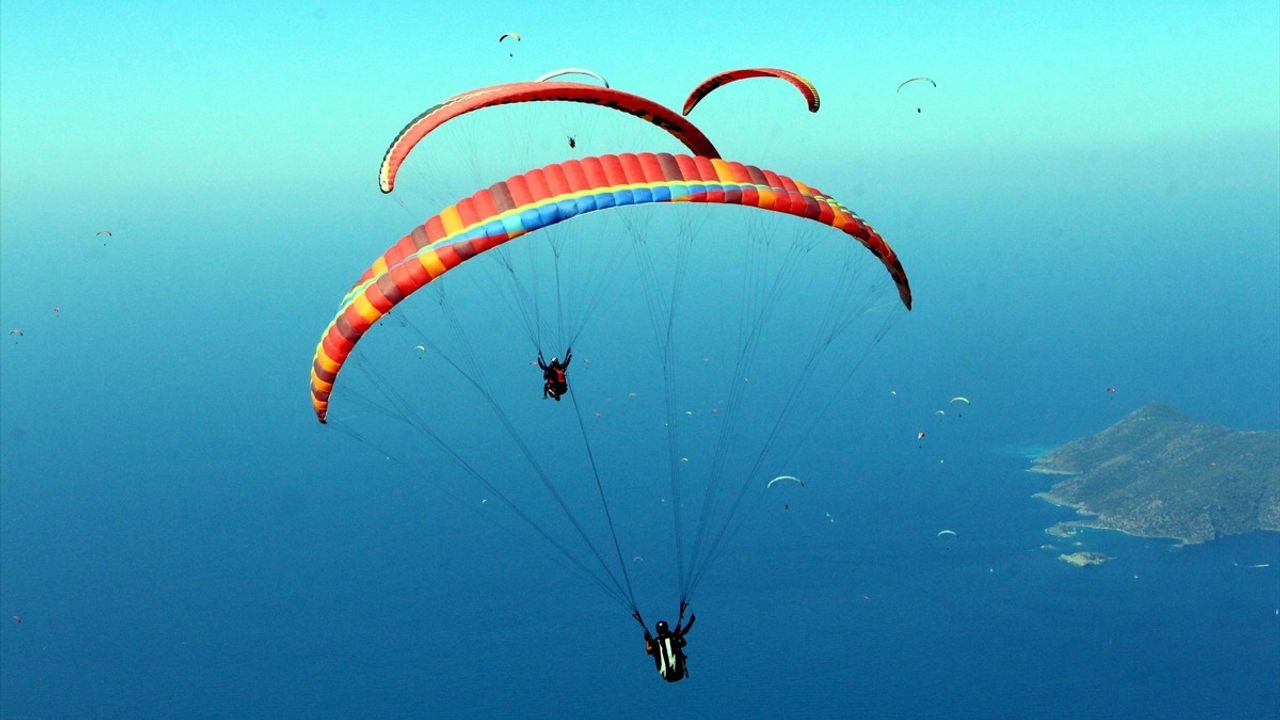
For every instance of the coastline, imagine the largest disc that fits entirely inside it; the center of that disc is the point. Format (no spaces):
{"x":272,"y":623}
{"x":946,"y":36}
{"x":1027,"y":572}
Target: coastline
{"x":1160,"y":474}
{"x":1049,"y":471}
{"x":1098,"y":521}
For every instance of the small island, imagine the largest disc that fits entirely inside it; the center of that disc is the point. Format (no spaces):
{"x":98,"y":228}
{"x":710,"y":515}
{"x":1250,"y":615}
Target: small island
{"x":1083,"y":559}
{"x":1160,"y":473}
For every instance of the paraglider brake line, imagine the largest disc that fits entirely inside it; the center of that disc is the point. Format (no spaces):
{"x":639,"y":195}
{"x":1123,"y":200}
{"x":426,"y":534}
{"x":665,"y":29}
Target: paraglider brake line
{"x":604,"y":503}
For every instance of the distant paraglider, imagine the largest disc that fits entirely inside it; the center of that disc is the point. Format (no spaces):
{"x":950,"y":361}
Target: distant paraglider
{"x":785,"y":478}
{"x":513,"y":36}
{"x":572,"y":71}
{"x":960,"y":399}
{"x":917,"y":78}
{"x":952,"y":533}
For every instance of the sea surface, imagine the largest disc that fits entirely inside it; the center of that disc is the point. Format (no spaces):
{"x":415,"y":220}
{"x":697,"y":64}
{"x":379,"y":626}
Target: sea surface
{"x":352,"y":604}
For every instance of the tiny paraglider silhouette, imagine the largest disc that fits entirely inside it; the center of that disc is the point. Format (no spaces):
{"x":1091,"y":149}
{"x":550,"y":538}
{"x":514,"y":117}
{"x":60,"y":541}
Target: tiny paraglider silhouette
{"x":572,"y":143}
{"x":918,"y":78}
{"x":17,"y":619}
{"x":513,"y":36}
{"x":786,"y":478}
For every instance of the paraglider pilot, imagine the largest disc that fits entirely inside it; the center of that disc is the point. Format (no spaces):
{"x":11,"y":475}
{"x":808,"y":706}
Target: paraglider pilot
{"x":667,"y":649}
{"x":554,"y":374}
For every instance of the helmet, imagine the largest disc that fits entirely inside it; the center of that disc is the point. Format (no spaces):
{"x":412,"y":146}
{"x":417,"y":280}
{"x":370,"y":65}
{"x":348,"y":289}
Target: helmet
{"x":662,"y":627}
{"x":555,"y":361}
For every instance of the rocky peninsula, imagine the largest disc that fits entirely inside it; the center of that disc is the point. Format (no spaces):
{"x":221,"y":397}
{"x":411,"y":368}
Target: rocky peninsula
{"x":1160,"y":473}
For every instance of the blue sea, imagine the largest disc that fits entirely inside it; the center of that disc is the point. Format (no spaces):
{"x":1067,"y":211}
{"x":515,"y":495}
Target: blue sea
{"x":184,"y":208}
